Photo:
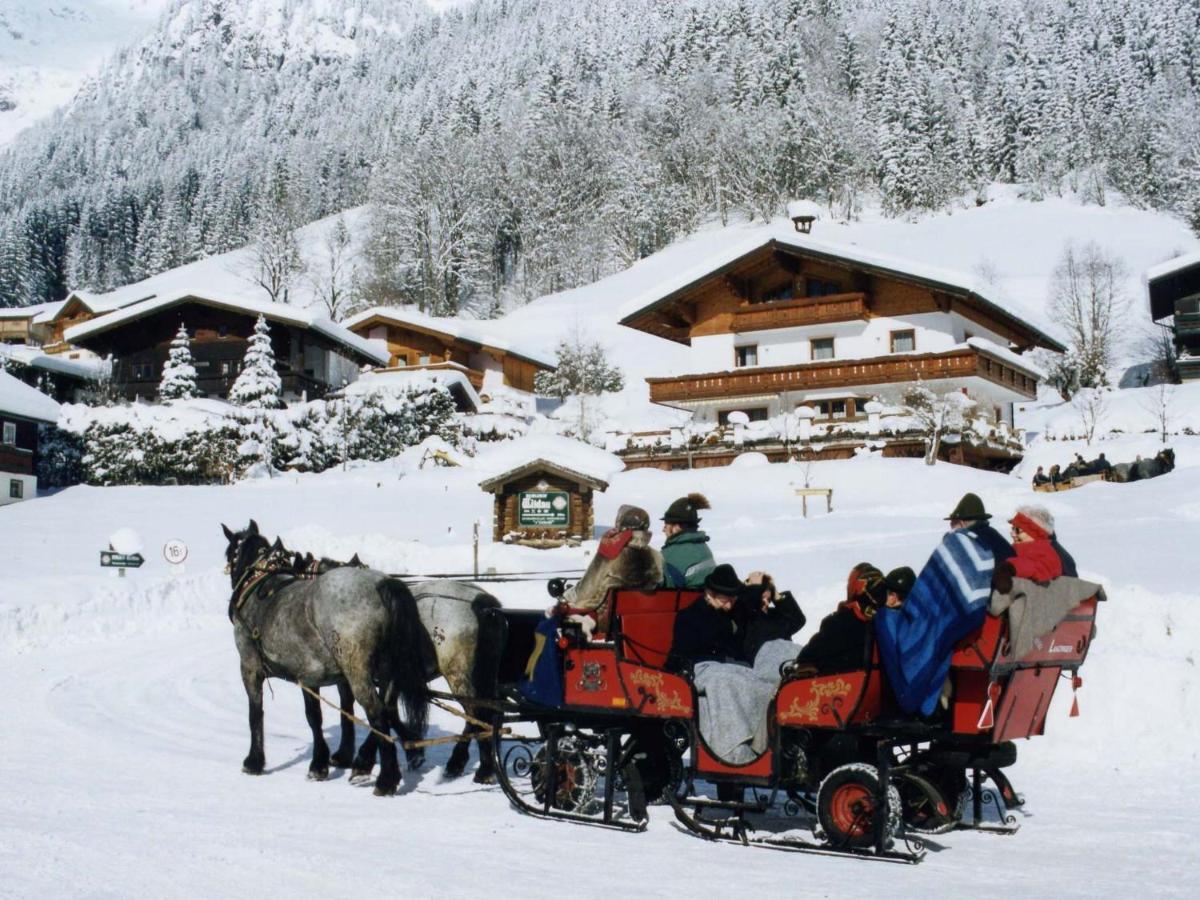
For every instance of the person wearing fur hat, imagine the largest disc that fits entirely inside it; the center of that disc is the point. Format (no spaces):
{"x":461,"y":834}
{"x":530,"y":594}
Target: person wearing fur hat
{"x":687,"y":560}
{"x":1034,"y":555}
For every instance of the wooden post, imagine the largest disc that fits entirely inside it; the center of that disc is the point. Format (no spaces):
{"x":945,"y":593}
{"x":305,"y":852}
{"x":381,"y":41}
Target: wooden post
{"x":475,"y":561}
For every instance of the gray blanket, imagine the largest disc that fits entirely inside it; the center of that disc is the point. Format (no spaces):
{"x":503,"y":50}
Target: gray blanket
{"x":1036,"y":609}
{"x":734,"y":699}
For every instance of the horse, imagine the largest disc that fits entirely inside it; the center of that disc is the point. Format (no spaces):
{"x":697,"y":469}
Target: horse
{"x":463,"y":644}
{"x":1162,"y":463}
{"x":350,"y":624}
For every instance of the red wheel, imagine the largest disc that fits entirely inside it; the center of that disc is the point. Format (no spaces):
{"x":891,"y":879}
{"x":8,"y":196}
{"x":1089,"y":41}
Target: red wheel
{"x":847,"y":807}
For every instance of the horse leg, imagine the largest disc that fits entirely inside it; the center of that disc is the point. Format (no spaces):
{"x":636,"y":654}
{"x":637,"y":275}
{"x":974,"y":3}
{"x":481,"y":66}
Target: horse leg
{"x":255,"y":761}
{"x":380,"y":719}
{"x":318,"y":769}
{"x":343,"y":758}
{"x":413,"y":756}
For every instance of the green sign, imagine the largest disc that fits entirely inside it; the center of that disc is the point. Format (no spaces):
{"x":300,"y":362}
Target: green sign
{"x":543,"y":508}
{"x":111,"y":560}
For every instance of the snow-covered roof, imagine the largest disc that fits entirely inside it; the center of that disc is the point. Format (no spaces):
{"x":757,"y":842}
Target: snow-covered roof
{"x":84,"y":369}
{"x":565,"y":453}
{"x":788,"y":238}
{"x":475,"y":331}
{"x":36,"y":311}
{"x":1171,"y":266}
{"x":19,"y":399}
{"x":276,"y":312}
{"x":400,"y":381}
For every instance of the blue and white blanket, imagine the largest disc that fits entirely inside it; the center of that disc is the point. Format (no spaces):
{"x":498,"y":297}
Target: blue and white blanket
{"x":947,"y":602}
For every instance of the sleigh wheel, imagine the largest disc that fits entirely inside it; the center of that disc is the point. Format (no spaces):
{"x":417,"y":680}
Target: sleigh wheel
{"x":575,"y":777}
{"x":931,"y":804}
{"x":847,"y":806}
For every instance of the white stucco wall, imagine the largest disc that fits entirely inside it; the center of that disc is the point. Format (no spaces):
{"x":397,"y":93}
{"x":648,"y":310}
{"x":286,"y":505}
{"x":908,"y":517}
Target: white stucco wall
{"x":29,"y":492}
{"x":935,"y":332}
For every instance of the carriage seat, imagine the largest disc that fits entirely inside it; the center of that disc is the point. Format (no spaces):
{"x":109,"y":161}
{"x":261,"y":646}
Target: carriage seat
{"x":643,"y":623}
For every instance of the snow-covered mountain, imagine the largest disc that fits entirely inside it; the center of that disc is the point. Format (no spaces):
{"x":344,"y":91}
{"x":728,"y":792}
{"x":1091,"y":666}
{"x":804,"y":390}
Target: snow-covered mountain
{"x":49,"y":47}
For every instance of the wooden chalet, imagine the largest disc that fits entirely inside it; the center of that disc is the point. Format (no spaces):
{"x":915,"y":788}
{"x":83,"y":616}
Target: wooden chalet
{"x":1174,"y":295}
{"x":417,"y":341}
{"x":782,"y":322}
{"x":22,"y":409}
{"x":313,"y":355}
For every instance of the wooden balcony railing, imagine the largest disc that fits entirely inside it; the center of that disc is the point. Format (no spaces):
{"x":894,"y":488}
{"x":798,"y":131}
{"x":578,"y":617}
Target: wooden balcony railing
{"x":804,"y":311}
{"x":474,"y":376}
{"x":1187,"y":323}
{"x":964,"y":363}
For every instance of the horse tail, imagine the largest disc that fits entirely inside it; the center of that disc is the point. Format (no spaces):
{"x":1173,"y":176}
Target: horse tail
{"x":489,"y":646}
{"x":402,"y":655}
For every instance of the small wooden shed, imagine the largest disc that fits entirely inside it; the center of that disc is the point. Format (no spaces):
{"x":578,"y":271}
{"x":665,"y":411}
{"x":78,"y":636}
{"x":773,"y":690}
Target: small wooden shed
{"x":543,"y":504}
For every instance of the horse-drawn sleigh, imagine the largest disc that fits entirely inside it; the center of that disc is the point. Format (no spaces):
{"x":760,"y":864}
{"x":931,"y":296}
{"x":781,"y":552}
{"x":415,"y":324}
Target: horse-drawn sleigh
{"x":840,"y":756}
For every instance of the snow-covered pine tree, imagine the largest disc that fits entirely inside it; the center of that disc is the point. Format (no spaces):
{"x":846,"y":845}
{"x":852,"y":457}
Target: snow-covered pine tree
{"x":258,"y":385}
{"x":582,"y":369}
{"x":179,"y":375}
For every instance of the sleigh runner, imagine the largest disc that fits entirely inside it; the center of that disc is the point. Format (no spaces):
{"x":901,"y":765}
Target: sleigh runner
{"x":841,"y":760}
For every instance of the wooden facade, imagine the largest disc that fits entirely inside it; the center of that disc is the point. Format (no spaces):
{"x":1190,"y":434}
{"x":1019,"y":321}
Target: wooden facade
{"x":416,"y":346}
{"x":219,"y":337}
{"x":73,"y":312}
{"x":964,"y":363}
{"x":780,"y":286}
{"x":542,"y":477}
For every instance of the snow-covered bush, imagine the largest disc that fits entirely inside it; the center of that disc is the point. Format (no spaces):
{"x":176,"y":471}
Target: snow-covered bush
{"x":258,"y":385}
{"x":60,"y":454}
{"x":126,"y":452}
{"x":179,"y":374}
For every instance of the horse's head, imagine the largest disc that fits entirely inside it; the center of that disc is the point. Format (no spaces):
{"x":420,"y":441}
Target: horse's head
{"x":243,"y":548}
{"x":1167,"y":457}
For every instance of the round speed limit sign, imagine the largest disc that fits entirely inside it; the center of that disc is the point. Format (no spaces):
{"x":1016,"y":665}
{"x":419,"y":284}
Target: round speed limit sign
{"x":175,"y":551}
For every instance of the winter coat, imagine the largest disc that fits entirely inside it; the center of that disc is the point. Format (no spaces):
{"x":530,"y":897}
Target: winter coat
{"x":841,"y":644}
{"x":687,"y":561}
{"x":702,"y":634}
{"x":1036,"y":560}
{"x":1067,"y":560}
{"x":782,"y":619}
{"x":992,"y":539}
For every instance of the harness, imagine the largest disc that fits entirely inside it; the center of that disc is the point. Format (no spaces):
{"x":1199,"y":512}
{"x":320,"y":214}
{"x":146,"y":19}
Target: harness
{"x":262,"y":580}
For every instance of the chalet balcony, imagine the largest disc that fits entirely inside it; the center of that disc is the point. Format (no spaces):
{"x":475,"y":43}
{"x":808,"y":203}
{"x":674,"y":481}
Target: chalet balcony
{"x":1187,"y":324}
{"x":963,"y":363}
{"x":800,"y":312}
{"x":474,"y":376}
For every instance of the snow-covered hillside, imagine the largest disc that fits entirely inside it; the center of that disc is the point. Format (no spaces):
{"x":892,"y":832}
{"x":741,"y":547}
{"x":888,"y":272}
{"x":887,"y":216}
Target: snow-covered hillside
{"x":48,"y":49}
{"x":125,"y":717}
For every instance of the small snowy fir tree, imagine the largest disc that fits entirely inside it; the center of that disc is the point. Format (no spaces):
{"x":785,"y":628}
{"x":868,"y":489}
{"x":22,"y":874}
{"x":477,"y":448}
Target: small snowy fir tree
{"x":583,"y":368}
{"x":179,"y":375}
{"x":258,"y":386}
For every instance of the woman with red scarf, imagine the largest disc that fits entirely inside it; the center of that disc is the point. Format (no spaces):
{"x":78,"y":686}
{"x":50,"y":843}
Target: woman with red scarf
{"x":1032,"y":533}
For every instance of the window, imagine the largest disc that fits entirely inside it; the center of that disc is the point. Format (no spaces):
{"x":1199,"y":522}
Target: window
{"x":904,"y":341}
{"x":424,"y":359}
{"x":833,"y":409}
{"x":822,"y":348}
{"x":222,"y":331}
{"x":16,"y":489}
{"x":229,"y":367}
{"x":756,"y":414}
{"x":143,"y":371}
{"x":1187,"y":306}
{"x":10,"y":433}
{"x":745,"y":356}
{"x":819,"y":287}
{"x":785,"y":291}
{"x":402,"y":359}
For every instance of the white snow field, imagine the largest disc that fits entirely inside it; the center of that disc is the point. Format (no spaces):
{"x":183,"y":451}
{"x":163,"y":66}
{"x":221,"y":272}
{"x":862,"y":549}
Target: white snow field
{"x":125,"y":720}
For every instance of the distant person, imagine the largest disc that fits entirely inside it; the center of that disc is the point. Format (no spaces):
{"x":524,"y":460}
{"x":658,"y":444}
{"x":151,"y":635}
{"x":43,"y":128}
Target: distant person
{"x":948,"y":600}
{"x":687,"y":560}
{"x":1040,"y":477}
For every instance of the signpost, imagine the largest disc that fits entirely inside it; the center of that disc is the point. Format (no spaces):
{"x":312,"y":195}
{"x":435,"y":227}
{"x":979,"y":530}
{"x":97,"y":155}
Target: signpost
{"x":544,"y":509}
{"x":110,"y":559}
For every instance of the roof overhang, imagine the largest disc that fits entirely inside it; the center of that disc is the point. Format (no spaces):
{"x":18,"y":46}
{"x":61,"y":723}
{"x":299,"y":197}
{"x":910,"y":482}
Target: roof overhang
{"x":1170,"y":281}
{"x":674,"y":327}
{"x":497,"y":482}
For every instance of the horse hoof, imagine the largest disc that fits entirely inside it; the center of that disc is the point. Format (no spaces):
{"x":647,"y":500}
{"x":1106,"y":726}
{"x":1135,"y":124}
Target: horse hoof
{"x":415,"y":762}
{"x":484,"y":778}
{"x":383,"y":790}
{"x":358,"y":777}
{"x":318,"y":774}
{"x":251,"y":770}
{"x":342,"y":762}
{"x":451,"y":774}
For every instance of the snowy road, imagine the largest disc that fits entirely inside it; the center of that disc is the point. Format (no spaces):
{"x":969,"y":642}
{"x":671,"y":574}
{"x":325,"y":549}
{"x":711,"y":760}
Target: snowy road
{"x":124,"y":724}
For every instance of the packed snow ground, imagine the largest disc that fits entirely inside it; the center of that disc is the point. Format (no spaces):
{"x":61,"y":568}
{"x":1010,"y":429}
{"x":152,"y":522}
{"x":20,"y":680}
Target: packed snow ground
{"x":125,"y":722}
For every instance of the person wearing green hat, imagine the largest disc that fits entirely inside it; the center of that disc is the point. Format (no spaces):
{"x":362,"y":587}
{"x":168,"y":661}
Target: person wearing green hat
{"x":687,"y":561}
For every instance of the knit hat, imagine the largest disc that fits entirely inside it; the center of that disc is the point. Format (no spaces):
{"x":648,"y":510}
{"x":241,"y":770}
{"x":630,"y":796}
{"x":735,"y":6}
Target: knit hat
{"x":683,"y":510}
{"x":901,"y":581}
{"x":1035,"y":521}
{"x":969,"y":509}
{"x":723,"y":580}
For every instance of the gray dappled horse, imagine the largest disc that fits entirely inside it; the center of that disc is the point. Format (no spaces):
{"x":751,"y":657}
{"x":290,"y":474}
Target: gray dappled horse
{"x":463,"y":643}
{"x":349,"y":624}
{"x":1162,"y":463}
